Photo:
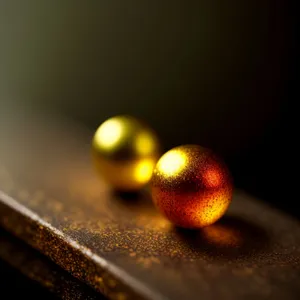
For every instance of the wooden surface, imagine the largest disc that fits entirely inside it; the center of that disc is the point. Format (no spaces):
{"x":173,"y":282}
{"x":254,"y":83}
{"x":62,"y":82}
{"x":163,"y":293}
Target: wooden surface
{"x":14,"y":283}
{"x":52,"y":199}
{"x":41,"y":270}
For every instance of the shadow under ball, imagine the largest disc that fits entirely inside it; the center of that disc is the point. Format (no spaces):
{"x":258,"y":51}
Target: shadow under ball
{"x":191,"y":186}
{"x":125,"y":151}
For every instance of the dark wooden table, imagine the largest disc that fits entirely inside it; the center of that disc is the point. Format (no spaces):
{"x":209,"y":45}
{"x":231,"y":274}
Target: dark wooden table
{"x":119,"y":245}
{"x":24,"y":269}
{"x":13,"y":283}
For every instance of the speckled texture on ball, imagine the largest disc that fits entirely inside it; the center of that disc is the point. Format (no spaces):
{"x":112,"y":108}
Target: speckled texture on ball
{"x":191,"y":186}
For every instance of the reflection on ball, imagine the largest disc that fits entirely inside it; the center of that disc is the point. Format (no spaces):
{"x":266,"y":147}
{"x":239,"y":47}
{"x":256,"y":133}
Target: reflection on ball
{"x":125,"y":152}
{"x":191,"y":186}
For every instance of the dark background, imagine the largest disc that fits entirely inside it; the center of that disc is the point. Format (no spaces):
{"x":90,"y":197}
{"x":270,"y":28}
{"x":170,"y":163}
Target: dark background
{"x":221,"y":74}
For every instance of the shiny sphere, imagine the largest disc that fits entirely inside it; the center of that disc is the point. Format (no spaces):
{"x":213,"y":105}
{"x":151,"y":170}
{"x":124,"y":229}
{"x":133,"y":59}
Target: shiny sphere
{"x":191,"y":186}
{"x":125,"y":152}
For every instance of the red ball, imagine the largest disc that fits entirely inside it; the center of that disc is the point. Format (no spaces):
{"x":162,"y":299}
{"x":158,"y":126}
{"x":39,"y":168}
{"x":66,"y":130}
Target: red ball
{"x":191,"y":186}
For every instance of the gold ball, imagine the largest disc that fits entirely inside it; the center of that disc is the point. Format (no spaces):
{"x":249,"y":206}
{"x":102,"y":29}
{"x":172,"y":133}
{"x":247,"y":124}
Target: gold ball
{"x":191,"y":186}
{"x":125,"y":152}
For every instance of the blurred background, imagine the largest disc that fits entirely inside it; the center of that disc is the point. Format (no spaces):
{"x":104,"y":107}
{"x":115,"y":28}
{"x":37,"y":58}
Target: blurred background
{"x":217,"y":73}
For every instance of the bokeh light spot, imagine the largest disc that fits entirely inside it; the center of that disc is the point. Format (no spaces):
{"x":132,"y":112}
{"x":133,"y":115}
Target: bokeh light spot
{"x":143,"y":170}
{"x":108,"y":134}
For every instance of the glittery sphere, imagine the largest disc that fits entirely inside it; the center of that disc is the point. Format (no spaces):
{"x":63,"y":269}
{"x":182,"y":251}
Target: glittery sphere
{"x":191,"y":186}
{"x":125,"y":152}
